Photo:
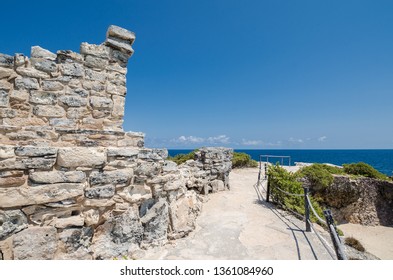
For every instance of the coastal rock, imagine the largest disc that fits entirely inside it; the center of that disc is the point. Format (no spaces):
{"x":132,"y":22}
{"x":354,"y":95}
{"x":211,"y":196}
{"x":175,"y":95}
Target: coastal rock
{"x":52,"y":177}
{"x":155,"y":223}
{"x":11,"y":221}
{"x":75,"y":244}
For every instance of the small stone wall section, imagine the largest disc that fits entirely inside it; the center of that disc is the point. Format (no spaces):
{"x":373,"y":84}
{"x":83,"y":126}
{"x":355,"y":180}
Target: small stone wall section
{"x":73,"y":184}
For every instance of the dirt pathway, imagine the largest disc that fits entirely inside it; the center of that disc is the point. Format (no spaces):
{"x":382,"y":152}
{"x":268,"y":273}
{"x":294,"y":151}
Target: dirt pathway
{"x":236,"y":225}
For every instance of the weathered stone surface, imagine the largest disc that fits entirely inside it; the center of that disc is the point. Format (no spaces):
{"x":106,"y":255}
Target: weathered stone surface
{"x":49,"y":111}
{"x":38,"y":52}
{"x":101,"y":102}
{"x":148,"y":169}
{"x":118,"y":106}
{"x":77,"y":113}
{"x":121,"y":33}
{"x":76,"y":243}
{"x":44,"y":163}
{"x":11,"y":222}
{"x":52,"y":86}
{"x":72,"y":69}
{"x":6,"y":60}
{"x":23,"y":122}
{"x":46,"y":66}
{"x":43,"y":98}
{"x":136,"y":193}
{"x":16,"y":197}
{"x":117,"y":177}
{"x":94,"y":50}
{"x":3,"y":98}
{"x":7,"y":152}
{"x":122,"y":152}
{"x":116,"y":237}
{"x":52,"y":177}
{"x":116,"y":89}
{"x":100,"y":192}
{"x":73,"y":101}
{"x":95,"y":75}
{"x":26,"y":83}
{"x":6,"y":73}
{"x":95,"y":62}
{"x":12,"y":182}
{"x":35,"y":243}
{"x":79,"y":157}
{"x":91,"y":217}
{"x":19,"y":95}
{"x":13,"y":173}
{"x":32,"y":73}
{"x":7,"y":113}
{"x":69,"y":123}
{"x":155,"y":223}
{"x":31,"y":151}
{"x":73,"y":221}
{"x":217,"y":185}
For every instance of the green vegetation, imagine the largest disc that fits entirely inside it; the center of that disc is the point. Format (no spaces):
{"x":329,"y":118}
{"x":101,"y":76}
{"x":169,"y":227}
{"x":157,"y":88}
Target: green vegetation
{"x":240,"y":160}
{"x":354,"y":243}
{"x":182,"y":158}
{"x":363,"y":169}
{"x":286,"y":181}
{"x":318,"y":175}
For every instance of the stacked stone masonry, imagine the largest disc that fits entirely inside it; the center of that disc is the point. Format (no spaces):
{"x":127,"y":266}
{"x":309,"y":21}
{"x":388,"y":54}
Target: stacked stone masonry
{"x":73,"y":184}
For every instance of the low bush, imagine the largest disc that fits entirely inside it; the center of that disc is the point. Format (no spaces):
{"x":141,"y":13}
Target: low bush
{"x":319,"y":175}
{"x":354,"y":243}
{"x":363,"y":169}
{"x":240,"y":160}
{"x":182,"y":158}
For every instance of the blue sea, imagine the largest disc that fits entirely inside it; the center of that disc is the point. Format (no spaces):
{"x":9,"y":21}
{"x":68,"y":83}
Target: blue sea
{"x":382,"y":160}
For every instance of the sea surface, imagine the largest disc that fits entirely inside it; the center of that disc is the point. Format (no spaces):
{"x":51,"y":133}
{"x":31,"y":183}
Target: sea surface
{"x":382,"y":160}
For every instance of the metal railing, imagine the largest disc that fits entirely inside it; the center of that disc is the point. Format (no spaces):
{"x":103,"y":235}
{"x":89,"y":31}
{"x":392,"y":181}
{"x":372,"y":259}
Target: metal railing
{"x":328,"y":222}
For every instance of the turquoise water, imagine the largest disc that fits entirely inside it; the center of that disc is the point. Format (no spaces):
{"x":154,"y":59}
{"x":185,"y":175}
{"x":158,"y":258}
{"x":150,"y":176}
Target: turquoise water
{"x":382,"y":160}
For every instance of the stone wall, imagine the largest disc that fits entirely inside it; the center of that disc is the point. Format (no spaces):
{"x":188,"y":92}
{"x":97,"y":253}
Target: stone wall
{"x":73,"y":184}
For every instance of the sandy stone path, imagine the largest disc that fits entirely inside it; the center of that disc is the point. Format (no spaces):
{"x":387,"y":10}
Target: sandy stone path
{"x":236,"y":225}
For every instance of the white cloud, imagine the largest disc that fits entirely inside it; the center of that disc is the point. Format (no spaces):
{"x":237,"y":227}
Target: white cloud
{"x":293,"y":140}
{"x":251,"y":142}
{"x":322,"y":138}
{"x":188,"y":139}
{"x":221,"y":139}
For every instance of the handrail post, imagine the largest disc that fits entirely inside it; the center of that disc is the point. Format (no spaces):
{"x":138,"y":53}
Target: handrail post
{"x":334,"y":235}
{"x":268,"y":189}
{"x":307,"y":210}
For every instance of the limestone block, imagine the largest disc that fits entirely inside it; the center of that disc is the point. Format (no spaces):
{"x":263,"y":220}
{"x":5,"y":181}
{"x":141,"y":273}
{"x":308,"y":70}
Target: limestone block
{"x":116,"y":89}
{"x":53,"y":177}
{"x":6,"y":60}
{"x":4,"y":99}
{"x":19,"y":95}
{"x":101,"y":51}
{"x":12,"y":173}
{"x":95,"y":62}
{"x":32,"y":73}
{"x":91,"y":217}
{"x":81,"y":157}
{"x":76,"y":242}
{"x":16,"y":197}
{"x":46,"y":66}
{"x":26,"y":83}
{"x":52,"y":86}
{"x":11,"y":222}
{"x":217,"y":185}
{"x":22,"y":135}
{"x":72,"y":69}
{"x":6,"y":73}
{"x":31,"y":151}
{"x":122,"y":152}
{"x":23,"y":122}
{"x":7,"y":152}
{"x":67,"y":123}
{"x":49,"y":111}
{"x":119,"y":177}
{"x":7,"y":113}
{"x":136,"y":194}
{"x":77,"y":113}
{"x":95,"y":75}
{"x":121,"y":33}
{"x":73,"y":221}
{"x":12,"y":182}
{"x":97,"y":203}
{"x":43,"y":97}
{"x":72,"y":101}
{"x":117,"y":235}
{"x":169,"y":166}
{"x":38,"y":52}
{"x":155,"y":223}
{"x":102,"y":113}
{"x":95,"y":86}
{"x":35,"y":243}
{"x":118,"y":106}
{"x":100,"y":192}
{"x":101,"y":102}
{"x":21,"y":60}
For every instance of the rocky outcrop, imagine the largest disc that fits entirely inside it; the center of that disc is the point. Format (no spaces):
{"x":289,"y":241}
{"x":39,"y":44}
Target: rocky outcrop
{"x":73,"y":184}
{"x":360,"y":200}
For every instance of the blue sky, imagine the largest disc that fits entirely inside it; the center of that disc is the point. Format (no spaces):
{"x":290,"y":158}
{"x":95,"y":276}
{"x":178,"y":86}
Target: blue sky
{"x":244,"y":74}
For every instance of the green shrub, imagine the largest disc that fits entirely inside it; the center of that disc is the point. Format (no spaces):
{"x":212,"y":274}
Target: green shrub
{"x":363,"y":169}
{"x":354,"y":243}
{"x":286,"y":181}
{"x":319,"y":175}
{"x":240,"y":160}
{"x":182,"y":158}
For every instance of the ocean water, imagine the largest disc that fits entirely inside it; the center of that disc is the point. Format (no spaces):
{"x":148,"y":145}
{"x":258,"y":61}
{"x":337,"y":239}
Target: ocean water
{"x":382,"y":160}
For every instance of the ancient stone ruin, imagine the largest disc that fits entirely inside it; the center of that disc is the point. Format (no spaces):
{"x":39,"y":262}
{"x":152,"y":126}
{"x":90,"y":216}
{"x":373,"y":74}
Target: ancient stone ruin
{"x":73,"y":184}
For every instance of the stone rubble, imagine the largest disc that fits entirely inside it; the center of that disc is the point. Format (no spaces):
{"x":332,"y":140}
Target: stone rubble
{"x":73,"y":184}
